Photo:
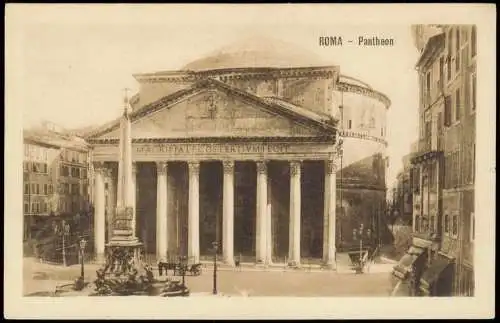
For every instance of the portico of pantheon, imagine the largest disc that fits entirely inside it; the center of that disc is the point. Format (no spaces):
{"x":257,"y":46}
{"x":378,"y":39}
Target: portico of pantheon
{"x":240,"y":148}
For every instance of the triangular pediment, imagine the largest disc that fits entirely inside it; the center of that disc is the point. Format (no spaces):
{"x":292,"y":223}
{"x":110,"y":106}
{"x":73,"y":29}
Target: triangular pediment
{"x":217,"y":111}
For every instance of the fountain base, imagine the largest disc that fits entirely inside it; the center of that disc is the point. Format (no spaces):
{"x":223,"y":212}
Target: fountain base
{"x":124,"y":272}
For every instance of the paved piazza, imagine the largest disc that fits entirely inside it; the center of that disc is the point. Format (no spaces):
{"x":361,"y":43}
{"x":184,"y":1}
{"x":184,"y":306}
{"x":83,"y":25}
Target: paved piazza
{"x":40,"y":278}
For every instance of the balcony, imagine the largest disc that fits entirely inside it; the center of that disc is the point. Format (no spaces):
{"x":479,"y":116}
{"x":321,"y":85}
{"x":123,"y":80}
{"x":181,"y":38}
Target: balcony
{"x":428,"y":148}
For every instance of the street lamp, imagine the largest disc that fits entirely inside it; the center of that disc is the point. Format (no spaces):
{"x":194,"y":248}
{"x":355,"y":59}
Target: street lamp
{"x":183,"y":270}
{"x":216,"y":248}
{"x":361,"y":243}
{"x":356,"y":234}
{"x":83,"y":244}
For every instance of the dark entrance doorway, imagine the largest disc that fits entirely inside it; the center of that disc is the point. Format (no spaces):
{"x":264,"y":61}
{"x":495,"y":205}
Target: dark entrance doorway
{"x":245,"y":190}
{"x":210,"y":207}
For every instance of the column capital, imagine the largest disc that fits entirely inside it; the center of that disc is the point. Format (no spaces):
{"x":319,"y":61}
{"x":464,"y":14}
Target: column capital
{"x":228,"y":166}
{"x":194,"y":167}
{"x":162,"y":167}
{"x":295,"y":167}
{"x":261,"y":166}
{"x":330,"y":166}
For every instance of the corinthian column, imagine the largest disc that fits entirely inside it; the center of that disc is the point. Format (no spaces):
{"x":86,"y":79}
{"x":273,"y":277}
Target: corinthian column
{"x":161,"y":212}
{"x":194,"y":212}
{"x":228,"y":213}
{"x":99,"y":216}
{"x":329,"y":214}
{"x":134,"y":199}
{"x":111,"y":208}
{"x":295,"y":198}
{"x":261,"y":249}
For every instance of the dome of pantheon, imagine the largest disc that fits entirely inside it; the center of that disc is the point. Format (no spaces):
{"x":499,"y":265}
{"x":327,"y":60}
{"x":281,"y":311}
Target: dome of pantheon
{"x":257,"y":52}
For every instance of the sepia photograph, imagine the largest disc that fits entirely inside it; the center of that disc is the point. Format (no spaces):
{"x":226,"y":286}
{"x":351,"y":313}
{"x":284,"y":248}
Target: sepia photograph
{"x":214,"y":157}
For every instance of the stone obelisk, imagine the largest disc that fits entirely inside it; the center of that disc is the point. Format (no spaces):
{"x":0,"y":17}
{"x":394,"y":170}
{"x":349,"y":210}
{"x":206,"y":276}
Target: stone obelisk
{"x":123,"y":235}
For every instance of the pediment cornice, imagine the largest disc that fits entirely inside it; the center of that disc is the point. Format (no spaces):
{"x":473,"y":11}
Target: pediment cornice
{"x":238,"y":74}
{"x":323,"y":124}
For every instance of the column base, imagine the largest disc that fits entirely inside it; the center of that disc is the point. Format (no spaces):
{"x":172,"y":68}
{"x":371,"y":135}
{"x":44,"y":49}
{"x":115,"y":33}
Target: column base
{"x":329,"y":265}
{"x":294,"y":264}
{"x":261,"y":265}
{"x":229,"y":262}
{"x":260,"y":262}
{"x":101,"y":258}
{"x":193,"y":260}
{"x":161,"y":258}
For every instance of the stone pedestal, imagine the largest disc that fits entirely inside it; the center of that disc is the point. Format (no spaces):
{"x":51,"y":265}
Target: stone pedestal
{"x":124,"y":242}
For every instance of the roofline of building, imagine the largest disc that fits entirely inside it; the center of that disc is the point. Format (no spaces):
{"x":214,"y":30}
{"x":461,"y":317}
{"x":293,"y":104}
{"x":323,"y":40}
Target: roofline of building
{"x":347,"y":77}
{"x":433,"y":45}
{"x":40,"y":142}
{"x":56,"y":141}
{"x":349,"y":87}
{"x":203,"y":73}
{"x":197,"y":86}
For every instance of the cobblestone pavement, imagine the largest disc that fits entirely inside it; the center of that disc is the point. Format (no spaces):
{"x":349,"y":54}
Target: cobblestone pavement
{"x":42,"y":279}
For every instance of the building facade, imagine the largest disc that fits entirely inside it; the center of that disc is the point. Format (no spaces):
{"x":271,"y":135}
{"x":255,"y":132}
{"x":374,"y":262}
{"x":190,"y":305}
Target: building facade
{"x":242,"y":147}
{"x":444,"y":165}
{"x":402,"y":195}
{"x":361,"y":183}
{"x":55,"y":175}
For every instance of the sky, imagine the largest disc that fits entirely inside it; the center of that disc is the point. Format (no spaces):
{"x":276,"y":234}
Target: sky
{"x":73,"y":72}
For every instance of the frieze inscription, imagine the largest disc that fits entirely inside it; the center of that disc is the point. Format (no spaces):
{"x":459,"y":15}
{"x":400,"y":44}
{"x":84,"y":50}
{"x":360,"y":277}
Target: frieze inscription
{"x":246,"y":148}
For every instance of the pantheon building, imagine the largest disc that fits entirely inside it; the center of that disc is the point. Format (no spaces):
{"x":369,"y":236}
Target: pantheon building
{"x":242,"y":147}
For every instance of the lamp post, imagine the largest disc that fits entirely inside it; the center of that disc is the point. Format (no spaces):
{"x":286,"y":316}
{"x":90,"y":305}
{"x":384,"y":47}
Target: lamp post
{"x":359,"y":233}
{"x":216,"y":248}
{"x":83,"y":243}
{"x":183,"y":270}
{"x":360,"y":243}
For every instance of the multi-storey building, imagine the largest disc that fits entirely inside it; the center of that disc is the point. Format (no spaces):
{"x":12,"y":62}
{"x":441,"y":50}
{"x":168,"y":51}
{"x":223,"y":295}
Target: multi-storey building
{"x":38,"y":185}
{"x":55,"y":171}
{"x":444,"y":165}
{"x":402,"y":196}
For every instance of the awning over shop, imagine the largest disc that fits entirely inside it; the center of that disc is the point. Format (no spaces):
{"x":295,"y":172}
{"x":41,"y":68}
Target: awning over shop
{"x":402,"y":269}
{"x":416,"y":251}
{"x":421,"y":243}
{"x":432,"y":273}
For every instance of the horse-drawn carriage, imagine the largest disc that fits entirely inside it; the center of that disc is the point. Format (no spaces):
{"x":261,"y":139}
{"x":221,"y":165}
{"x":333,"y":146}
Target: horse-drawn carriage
{"x":179,"y":268}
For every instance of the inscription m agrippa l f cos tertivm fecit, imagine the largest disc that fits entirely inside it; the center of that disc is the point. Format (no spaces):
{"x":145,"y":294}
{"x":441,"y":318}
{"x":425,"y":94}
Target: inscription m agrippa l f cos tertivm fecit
{"x":247,"y":148}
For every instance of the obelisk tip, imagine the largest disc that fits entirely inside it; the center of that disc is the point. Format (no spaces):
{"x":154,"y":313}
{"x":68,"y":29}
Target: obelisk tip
{"x":126,"y":103}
